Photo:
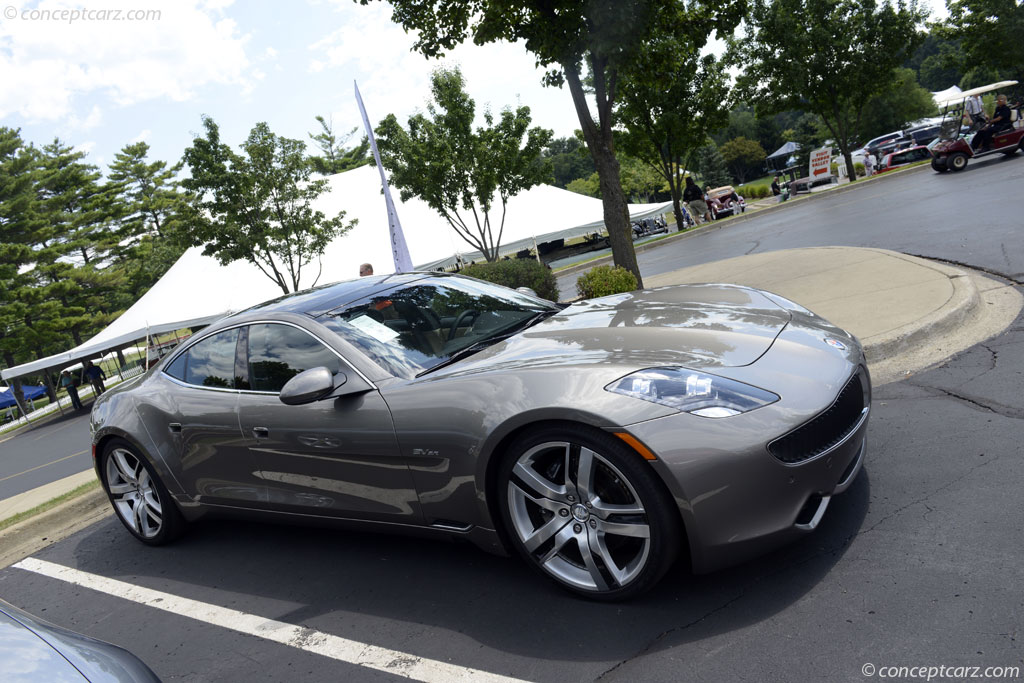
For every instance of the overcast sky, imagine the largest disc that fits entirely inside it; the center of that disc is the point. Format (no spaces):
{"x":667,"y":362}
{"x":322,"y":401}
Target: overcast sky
{"x":100,"y":81}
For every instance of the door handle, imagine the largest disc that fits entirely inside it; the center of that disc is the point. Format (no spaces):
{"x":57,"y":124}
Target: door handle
{"x":174,"y":427}
{"x":261,"y":432}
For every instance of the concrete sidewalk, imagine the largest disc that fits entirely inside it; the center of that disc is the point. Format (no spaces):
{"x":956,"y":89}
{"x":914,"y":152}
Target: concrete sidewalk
{"x":909,"y":313}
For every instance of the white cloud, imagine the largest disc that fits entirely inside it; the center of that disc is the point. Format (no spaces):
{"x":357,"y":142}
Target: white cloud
{"x":47,"y":65}
{"x":369,"y":47}
{"x":91,"y":121}
{"x":143,"y":135}
{"x":270,"y":53}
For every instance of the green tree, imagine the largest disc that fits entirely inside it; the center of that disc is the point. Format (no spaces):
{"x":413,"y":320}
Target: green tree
{"x":72,"y":245}
{"x":150,"y":214}
{"x":905,"y":101}
{"x":827,"y":57}
{"x":590,"y":186}
{"x":710,"y":166}
{"x":256,"y":206}
{"x":599,"y":38}
{"x":670,"y":114}
{"x":937,"y":61}
{"x":743,"y":156}
{"x":569,"y":159}
{"x":989,"y":34}
{"x":459,"y":171}
{"x":641,"y":181}
{"x":334,"y":157}
{"x":17,"y":199}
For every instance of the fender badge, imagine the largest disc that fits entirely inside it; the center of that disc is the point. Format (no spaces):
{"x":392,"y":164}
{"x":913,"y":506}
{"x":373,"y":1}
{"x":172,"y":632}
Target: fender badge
{"x":835,"y":343}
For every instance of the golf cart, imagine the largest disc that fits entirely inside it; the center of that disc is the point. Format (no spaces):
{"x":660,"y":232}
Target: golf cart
{"x":953,"y":148}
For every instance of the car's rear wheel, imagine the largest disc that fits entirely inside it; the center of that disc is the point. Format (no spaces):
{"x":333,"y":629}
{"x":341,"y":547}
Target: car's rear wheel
{"x":939,"y":165}
{"x":588,"y":512}
{"x":957,"y":161}
{"x":140,"y":499}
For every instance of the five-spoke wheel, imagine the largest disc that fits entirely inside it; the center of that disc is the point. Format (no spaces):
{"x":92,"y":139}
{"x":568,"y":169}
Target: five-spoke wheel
{"x":589,"y":513}
{"x":140,"y":500}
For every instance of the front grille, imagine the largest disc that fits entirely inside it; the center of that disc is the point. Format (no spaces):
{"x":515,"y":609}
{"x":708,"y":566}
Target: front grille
{"x":826,"y":430}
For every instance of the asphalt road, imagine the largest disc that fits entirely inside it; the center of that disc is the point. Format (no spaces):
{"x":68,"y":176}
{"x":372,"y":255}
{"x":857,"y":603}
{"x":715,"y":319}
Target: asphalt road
{"x":40,"y":455}
{"x":974,"y":217}
{"x":918,"y":564}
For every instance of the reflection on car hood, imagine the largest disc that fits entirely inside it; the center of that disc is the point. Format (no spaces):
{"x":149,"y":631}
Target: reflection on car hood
{"x":690,"y":325}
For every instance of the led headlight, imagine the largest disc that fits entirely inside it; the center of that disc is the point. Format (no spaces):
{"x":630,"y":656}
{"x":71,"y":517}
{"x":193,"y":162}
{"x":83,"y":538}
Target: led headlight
{"x":691,"y":391}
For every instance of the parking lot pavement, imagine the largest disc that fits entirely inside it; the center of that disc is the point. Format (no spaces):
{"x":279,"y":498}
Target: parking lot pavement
{"x":39,"y":455}
{"x":918,"y":563}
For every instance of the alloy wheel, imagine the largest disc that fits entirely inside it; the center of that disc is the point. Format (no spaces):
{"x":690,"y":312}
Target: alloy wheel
{"x":578,"y":517}
{"x":133,"y":493}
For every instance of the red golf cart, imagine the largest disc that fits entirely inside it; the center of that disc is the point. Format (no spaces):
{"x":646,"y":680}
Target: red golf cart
{"x":953,"y":147}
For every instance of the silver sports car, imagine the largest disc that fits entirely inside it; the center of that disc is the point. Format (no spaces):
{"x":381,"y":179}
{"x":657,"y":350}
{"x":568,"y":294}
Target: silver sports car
{"x":596,"y":440}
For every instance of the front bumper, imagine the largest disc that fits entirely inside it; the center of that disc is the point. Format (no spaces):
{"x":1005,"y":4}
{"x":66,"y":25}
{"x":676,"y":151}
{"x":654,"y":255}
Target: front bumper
{"x":736,"y":499}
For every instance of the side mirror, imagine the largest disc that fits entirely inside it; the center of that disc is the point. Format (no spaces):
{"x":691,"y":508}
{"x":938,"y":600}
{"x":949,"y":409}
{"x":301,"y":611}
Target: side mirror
{"x":308,"y":386}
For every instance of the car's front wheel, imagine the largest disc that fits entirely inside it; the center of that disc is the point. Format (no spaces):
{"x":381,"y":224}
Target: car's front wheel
{"x":140,"y":499}
{"x":588,"y":512}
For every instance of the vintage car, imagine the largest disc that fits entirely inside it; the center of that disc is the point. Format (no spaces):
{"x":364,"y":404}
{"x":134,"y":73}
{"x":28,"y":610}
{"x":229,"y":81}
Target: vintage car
{"x":724,"y":201}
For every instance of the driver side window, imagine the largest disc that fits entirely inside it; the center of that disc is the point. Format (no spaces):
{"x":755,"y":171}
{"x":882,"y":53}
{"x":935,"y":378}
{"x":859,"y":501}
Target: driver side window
{"x":279,"y":352}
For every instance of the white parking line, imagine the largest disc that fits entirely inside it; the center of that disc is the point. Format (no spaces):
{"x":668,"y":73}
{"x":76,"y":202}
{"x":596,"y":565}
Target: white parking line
{"x":317,"y":642}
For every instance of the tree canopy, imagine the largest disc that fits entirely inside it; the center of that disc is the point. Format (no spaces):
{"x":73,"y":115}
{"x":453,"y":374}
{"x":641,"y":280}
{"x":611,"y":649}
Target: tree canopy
{"x":597,"y":40}
{"x":334,"y":157}
{"x":256,"y":206}
{"x":827,"y":57}
{"x":459,"y":170}
{"x":989,"y":33}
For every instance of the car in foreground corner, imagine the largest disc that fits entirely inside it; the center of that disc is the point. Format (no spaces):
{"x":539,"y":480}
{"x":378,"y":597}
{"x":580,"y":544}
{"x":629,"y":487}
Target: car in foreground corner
{"x":598,"y":440}
{"x":33,"y":650}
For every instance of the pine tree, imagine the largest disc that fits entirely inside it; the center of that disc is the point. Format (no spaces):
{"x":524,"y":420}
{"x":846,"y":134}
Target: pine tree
{"x":711,"y":166}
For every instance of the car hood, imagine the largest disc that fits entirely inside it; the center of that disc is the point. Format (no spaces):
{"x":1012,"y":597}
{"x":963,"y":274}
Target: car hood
{"x":696,"y":326}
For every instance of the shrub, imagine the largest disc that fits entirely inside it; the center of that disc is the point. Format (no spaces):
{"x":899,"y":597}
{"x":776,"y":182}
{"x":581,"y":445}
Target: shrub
{"x":518,"y":273}
{"x":605,"y":280}
{"x":858,"y":168}
{"x":754,"y":191}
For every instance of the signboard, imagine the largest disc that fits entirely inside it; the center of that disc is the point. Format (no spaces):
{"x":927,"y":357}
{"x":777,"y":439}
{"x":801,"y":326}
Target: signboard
{"x":821,"y":164}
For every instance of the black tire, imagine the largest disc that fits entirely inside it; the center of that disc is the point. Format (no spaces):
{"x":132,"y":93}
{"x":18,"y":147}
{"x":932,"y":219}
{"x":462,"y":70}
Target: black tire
{"x":139,"y":498}
{"x":957,"y":161}
{"x":610,"y":538}
{"x":939,"y":166}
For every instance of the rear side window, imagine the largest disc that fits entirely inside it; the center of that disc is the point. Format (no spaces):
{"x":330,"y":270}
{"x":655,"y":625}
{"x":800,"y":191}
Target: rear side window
{"x":210,"y":363}
{"x":279,"y":352}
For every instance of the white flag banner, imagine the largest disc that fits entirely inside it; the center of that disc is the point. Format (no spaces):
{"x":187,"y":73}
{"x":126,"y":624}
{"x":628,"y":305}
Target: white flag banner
{"x":399,"y":249}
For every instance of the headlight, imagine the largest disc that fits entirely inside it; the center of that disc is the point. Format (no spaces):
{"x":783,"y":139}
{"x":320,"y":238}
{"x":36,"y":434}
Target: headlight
{"x":694,"y":392}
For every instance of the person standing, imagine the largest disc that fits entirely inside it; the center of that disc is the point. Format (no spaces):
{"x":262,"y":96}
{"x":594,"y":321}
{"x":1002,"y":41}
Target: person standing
{"x":776,"y":190}
{"x":869,"y":164}
{"x":96,"y":376}
{"x":694,"y":199}
{"x":365,"y":269}
{"x":69,"y":386}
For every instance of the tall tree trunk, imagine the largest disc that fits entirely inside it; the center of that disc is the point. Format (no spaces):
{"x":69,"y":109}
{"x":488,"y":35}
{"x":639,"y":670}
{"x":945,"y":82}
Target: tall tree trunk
{"x":602,"y":151}
{"x":16,"y":390}
{"x":677,"y":209}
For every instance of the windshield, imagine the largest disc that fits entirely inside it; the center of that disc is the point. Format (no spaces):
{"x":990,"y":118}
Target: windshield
{"x":410,"y":329}
{"x":951,"y":121}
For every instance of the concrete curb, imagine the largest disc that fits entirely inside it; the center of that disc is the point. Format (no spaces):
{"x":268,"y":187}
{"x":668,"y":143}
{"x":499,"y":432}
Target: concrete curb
{"x":37,"y":532}
{"x":960,"y":306}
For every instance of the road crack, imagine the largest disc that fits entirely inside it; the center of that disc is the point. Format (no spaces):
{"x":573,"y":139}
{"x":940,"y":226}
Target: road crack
{"x":675,"y":629}
{"x":1010,"y":412}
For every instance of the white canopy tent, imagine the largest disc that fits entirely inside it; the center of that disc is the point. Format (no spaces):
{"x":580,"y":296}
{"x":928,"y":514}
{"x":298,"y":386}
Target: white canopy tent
{"x":197,"y":289}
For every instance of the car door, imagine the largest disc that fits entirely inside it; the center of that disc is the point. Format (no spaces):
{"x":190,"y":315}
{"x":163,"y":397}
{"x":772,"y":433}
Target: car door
{"x":334,"y":457}
{"x":215,"y":464}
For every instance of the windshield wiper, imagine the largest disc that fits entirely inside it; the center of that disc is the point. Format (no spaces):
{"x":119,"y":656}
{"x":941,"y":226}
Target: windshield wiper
{"x":490,"y":341}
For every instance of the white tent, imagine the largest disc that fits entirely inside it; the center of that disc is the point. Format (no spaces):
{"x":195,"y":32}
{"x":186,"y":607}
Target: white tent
{"x":198,"y":290}
{"x":943,"y":95}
